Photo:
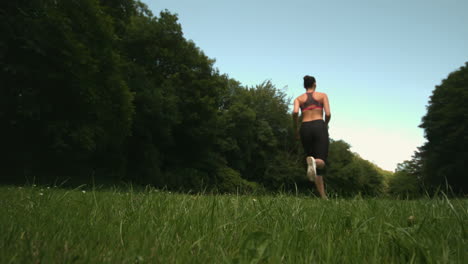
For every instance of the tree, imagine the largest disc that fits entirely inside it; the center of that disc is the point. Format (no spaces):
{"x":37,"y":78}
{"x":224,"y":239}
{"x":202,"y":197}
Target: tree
{"x":104,"y":88}
{"x":407,"y":179}
{"x":348,"y":173}
{"x":258,"y":139}
{"x":446,"y":130}
{"x":178,"y":96}
{"x":65,"y":107}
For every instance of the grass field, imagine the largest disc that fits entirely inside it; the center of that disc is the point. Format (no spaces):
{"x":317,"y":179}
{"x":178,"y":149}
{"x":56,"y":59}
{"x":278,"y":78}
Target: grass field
{"x":53,"y":225}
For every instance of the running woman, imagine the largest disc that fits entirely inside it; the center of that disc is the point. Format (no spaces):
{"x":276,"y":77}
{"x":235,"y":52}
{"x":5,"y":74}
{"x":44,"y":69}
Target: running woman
{"x":313,"y":131}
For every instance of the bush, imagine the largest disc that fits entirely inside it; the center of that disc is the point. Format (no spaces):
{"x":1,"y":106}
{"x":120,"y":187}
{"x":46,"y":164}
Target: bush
{"x":230,"y":181}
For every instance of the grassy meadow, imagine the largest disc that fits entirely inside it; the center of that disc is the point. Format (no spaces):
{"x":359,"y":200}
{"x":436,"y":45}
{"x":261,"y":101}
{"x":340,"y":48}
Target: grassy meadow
{"x":40,"y":224}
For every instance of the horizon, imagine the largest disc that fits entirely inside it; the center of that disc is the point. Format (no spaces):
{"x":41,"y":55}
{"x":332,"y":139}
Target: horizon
{"x":378,"y":62}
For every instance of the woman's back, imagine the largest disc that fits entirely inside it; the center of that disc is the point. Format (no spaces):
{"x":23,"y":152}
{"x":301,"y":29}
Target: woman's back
{"x":312,"y":105}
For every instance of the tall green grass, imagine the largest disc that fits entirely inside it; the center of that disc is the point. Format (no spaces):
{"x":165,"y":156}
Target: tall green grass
{"x":52,"y":225}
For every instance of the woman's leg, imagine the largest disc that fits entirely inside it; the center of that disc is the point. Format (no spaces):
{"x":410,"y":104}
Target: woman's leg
{"x":320,"y":163}
{"x":322,"y":153}
{"x":319,"y":179}
{"x":320,"y":186}
{"x":315,"y":141}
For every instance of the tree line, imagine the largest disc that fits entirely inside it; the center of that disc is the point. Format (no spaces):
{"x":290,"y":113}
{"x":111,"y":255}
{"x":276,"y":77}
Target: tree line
{"x":106,"y":91}
{"x":439,"y":165}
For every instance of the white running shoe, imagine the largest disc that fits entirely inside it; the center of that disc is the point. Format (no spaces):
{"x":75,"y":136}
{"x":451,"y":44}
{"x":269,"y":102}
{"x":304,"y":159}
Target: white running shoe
{"x":311,"y":168}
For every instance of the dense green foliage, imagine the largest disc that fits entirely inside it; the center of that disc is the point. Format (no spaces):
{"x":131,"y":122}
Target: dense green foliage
{"x":407,"y":180}
{"x":104,"y":90}
{"x":112,"y":226}
{"x":349,"y":174}
{"x":65,"y":106}
{"x":439,"y":165}
{"x":445,"y":153}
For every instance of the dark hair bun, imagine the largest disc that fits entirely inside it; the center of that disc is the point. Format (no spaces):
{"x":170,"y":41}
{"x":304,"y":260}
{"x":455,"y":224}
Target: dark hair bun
{"x":309,"y":81}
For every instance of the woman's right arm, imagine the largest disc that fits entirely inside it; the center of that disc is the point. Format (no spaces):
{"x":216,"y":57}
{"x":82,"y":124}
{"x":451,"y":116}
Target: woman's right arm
{"x":296,"y":117}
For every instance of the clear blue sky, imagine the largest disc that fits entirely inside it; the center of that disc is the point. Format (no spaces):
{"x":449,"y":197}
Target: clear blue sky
{"x":378,"y":61}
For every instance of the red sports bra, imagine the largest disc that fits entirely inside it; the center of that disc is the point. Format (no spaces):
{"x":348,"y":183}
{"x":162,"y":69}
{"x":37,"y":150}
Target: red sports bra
{"x":311,"y":103}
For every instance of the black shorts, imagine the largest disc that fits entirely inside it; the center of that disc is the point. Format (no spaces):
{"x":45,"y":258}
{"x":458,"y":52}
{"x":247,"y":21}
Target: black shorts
{"x":314,"y":137}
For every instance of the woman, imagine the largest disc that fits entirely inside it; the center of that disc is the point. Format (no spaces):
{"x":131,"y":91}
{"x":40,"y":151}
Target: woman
{"x":314,"y":130}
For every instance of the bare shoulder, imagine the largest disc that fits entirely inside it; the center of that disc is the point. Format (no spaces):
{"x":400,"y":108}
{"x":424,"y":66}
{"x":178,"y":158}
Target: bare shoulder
{"x":320,"y":95}
{"x":301,"y":97}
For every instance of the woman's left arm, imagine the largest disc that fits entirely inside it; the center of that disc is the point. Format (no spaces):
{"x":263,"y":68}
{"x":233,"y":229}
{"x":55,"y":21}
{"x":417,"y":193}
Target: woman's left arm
{"x":326,"y":107}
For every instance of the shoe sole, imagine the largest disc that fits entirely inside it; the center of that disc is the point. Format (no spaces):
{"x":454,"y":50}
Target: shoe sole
{"x":311,"y":169}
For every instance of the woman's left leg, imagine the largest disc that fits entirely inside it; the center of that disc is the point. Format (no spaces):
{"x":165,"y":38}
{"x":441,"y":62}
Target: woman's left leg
{"x":320,"y":163}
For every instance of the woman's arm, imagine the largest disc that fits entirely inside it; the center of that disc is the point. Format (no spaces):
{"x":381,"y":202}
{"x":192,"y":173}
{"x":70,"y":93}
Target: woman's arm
{"x":326,"y":107}
{"x":295,"y":116}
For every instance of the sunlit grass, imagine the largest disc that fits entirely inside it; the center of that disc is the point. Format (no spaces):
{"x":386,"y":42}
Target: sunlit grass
{"x":52,"y":225}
